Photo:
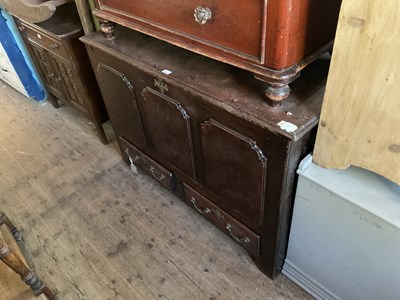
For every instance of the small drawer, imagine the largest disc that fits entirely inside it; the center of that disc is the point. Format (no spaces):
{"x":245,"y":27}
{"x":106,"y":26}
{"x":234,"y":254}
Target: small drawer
{"x":135,"y":157}
{"x":226,"y":223}
{"x":43,"y":39}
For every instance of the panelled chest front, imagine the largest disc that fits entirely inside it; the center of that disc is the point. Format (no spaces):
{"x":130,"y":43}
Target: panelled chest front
{"x":200,"y":128}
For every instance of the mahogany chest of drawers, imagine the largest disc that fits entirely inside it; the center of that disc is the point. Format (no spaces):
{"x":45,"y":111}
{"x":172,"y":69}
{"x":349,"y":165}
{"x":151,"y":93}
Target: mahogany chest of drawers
{"x":197,"y":126}
{"x":273,"y":39}
{"x":63,"y":63}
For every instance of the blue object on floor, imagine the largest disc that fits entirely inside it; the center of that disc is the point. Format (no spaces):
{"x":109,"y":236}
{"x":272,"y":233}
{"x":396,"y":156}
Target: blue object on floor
{"x":16,"y":67}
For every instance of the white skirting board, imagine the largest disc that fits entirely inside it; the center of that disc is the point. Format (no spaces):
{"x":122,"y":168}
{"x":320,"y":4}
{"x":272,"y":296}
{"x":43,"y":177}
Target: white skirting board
{"x":307,"y":283}
{"x":345,"y":234}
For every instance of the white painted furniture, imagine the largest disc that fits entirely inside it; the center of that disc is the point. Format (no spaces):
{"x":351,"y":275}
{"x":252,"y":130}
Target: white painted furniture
{"x":16,"y":67}
{"x":345,"y":234}
{"x":8,"y":73}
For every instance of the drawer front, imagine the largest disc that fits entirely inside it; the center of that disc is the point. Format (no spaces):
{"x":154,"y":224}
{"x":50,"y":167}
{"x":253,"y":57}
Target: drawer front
{"x":233,"y":26}
{"x":230,"y":226}
{"x":135,"y":157}
{"x":44,"y":40}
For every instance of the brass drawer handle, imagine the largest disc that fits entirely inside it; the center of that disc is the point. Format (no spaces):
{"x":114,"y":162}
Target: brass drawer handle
{"x":54,"y":46}
{"x":200,"y":210}
{"x":202,"y":14}
{"x":131,"y":160}
{"x":152,"y":171}
{"x":241,"y":239}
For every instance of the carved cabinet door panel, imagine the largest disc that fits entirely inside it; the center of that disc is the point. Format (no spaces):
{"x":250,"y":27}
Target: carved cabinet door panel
{"x":235,"y":171}
{"x":168,"y":129}
{"x":66,"y":75}
{"x":46,"y":68}
{"x":121,"y":103}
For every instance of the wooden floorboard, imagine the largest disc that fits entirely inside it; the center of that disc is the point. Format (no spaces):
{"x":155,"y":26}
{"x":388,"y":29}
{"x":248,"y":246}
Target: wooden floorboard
{"x":93,"y":229}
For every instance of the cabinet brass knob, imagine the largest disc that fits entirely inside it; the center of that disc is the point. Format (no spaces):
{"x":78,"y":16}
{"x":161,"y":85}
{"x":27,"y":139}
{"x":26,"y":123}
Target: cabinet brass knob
{"x":202,"y":14}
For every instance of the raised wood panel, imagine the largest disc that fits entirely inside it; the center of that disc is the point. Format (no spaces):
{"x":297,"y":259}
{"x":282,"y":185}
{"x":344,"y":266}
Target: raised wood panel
{"x":123,"y":113}
{"x":45,"y":68}
{"x":235,"y":171}
{"x":360,"y":118}
{"x":168,"y":129}
{"x":67,"y":78}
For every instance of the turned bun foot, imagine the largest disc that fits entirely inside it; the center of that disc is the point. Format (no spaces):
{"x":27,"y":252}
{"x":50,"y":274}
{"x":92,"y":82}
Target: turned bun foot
{"x":108,"y":28}
{"x":277,"y":87}
{"x":275,"y":93}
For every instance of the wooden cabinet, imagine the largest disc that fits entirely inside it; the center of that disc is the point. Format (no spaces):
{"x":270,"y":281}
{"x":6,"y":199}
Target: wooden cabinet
{"x":199,"y":128}
{"x":63,"y":63}
{"x":273,"y":39}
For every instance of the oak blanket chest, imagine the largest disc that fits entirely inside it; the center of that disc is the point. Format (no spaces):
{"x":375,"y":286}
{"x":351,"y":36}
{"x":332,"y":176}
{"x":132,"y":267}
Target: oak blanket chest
{"x":200,"y":128}
{"x":273,"y":39}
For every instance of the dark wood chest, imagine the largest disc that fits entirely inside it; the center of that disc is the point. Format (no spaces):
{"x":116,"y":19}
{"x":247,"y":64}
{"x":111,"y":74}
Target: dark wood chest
{"x":63,"y":63}
{"x":273,"y":39}
{"x":202,"y":130}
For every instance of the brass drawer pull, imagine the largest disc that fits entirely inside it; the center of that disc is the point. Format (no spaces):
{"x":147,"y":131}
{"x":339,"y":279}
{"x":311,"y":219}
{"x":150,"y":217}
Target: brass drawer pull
{"x":54,"y":46}
{"x":200,"y":210}
{"x":131,"y":160}
{"x":202,"y":14}
{"x":152,"y":171}
{"x":241,"y":239}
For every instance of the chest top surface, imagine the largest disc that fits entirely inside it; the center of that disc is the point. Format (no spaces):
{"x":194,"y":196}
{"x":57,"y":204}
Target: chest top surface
{"x":221,"y":85}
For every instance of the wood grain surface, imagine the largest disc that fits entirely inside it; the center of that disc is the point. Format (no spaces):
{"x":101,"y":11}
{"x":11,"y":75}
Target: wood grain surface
{"x":360,"y":118}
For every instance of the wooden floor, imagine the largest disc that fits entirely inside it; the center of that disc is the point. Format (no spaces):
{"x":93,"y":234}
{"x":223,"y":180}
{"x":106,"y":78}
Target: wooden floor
{"x":95,"y":230}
